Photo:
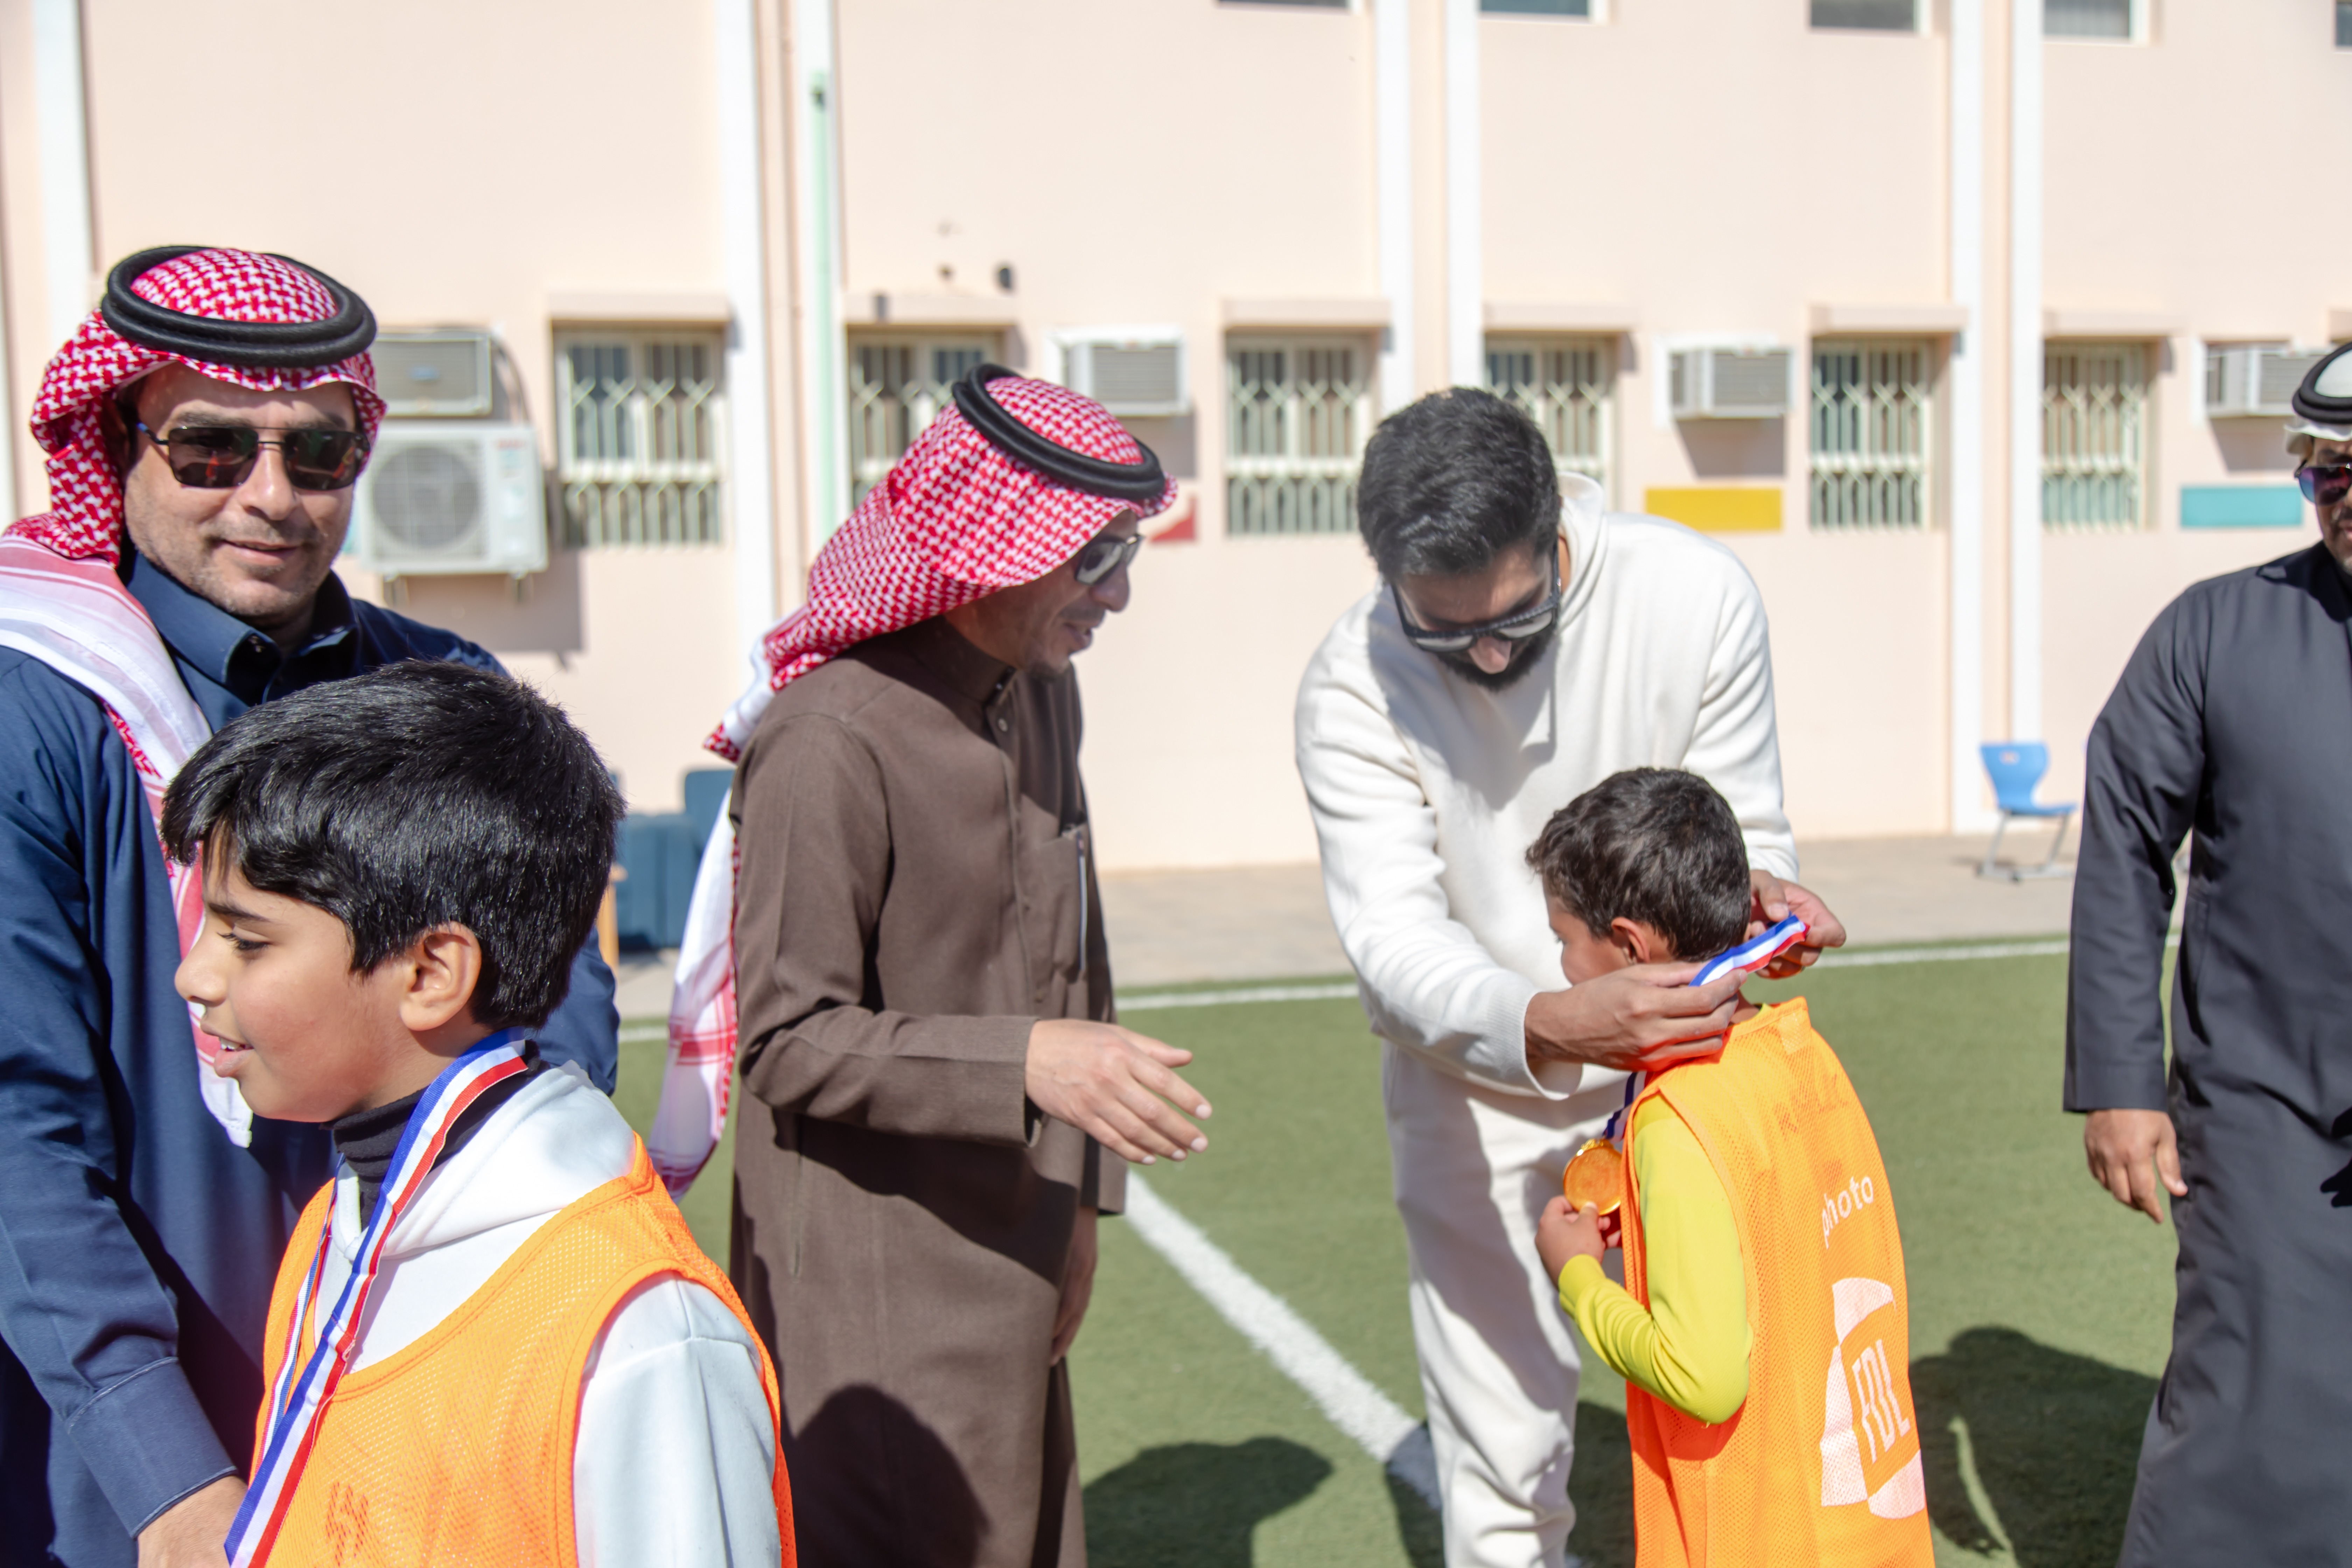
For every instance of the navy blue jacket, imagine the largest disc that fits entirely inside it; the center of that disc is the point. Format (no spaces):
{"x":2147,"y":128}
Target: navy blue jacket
{"x":138,"y":1244}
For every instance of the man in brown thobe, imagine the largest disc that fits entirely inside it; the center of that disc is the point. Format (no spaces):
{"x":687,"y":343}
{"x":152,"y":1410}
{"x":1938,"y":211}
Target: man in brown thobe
{"x":931,"y":1071}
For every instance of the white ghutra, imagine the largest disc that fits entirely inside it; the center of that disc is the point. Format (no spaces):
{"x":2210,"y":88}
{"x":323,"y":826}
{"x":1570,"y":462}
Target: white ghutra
{"x":304,"y":1383}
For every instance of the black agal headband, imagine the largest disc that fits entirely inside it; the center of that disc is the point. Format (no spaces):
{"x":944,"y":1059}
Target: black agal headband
{"x":2325,"y":395}
{"x":270,"y":345}
{"x":1137,"y":482}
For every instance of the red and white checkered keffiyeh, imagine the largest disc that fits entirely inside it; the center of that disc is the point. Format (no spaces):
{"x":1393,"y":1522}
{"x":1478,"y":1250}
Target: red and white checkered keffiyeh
{"x":955,"y":520}
{"x":85,"y":515}
{"x":60,"y":600}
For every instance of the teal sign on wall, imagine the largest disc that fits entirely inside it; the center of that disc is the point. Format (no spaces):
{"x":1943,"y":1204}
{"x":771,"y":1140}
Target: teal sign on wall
{"x":2241,"y":506}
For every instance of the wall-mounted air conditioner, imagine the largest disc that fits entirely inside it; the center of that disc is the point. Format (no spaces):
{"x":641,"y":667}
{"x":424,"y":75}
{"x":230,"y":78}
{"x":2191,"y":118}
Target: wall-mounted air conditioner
{"x":1134,"y":371}
{"x":2246,"y":381}
{"x":1727,"y":382}
{"x":440,"y":498}
{"x":439,"y":375}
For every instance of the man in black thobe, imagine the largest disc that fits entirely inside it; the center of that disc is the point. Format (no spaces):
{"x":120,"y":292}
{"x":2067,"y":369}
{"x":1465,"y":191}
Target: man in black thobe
{"x":2234,"y":719}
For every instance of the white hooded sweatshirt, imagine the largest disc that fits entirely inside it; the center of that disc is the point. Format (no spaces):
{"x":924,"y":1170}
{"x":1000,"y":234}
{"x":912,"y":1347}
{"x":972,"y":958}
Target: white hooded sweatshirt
{"x":675,"y":1451}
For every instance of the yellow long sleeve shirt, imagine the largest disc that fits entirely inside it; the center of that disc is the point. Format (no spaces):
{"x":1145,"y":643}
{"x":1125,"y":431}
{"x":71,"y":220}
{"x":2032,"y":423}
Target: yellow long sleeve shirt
{"x":1689,"y":1347}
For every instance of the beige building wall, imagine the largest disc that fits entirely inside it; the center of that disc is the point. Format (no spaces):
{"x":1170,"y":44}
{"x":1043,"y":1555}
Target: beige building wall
{"x":1665,"y":171}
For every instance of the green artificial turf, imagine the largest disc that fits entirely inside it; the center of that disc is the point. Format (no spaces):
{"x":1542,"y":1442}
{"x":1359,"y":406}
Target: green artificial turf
{"x":2040,"y":1310}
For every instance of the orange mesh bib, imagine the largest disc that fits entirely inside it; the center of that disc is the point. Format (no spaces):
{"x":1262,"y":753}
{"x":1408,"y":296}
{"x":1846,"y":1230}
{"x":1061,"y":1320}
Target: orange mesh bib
{"x":1821,"y":1464}
{"x":458,"y":1448}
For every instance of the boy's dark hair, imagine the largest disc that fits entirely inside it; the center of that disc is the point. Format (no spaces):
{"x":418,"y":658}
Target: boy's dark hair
{"x":416,"y":795}
{"x":1654,"y":845}
{"x":1452,"y":481}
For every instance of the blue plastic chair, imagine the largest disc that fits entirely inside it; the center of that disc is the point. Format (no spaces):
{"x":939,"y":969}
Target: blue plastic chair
{"x":2015,"y":767}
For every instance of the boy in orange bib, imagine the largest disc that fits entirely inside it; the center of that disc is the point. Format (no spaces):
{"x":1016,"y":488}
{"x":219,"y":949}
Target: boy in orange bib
{"x":1763,"y":1327}
{"x":493,"y":1341}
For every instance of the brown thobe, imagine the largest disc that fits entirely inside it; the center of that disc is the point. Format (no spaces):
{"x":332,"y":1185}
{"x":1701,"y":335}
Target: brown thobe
{"x":916,"y":890}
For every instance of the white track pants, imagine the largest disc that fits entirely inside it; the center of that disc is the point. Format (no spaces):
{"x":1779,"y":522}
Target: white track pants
{"x":1498,"y":1367}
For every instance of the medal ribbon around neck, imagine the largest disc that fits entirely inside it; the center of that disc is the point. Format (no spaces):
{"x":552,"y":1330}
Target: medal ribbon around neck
{"x":1747,"y":958}
{"x":298,"y":1399}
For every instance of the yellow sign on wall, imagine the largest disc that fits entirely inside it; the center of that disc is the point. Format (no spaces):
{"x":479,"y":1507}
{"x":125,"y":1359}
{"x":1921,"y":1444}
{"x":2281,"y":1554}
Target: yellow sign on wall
{"x":1718,"y":509}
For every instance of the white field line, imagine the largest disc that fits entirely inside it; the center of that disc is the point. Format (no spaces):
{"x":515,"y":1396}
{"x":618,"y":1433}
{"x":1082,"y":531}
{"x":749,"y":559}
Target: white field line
{"x":1330,"y":991}
{"x":1334,"y":990}
{"x":1351,"y":1400}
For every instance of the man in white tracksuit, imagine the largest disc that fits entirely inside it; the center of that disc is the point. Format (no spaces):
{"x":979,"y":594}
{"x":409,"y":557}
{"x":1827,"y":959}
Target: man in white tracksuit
{"x":1522,"y":645}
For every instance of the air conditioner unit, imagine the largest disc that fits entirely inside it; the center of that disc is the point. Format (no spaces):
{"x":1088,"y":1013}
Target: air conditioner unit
{"x":440,"y":374}
{"x":2245,"y":380}
{"x":1726,"y":381}
{"x":1137,"y":371}
{"x":455,"y":497}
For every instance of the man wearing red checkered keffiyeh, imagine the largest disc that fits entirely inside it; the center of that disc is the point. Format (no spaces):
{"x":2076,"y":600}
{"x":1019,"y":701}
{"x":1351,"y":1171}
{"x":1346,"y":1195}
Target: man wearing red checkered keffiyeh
{"x":205,"y":427}
{"x":938,"y":1102}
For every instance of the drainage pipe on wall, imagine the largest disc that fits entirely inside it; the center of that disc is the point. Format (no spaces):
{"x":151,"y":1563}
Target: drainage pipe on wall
{"x":65,"y":165}
{"x":1392,"y":145}
{"x":816,"y":204}
{"x":2025,"y":370}
{"x":750,"y":460}
{"x":1465,"y":262}
{"x":1967,"y":381}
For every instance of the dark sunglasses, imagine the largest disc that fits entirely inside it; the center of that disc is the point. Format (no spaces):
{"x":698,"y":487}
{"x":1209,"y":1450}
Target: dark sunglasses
{"x":221,"y":457}
{"x":1104,"y":554}
{"x":1516,"y":627}
{"x":2323,"y":486}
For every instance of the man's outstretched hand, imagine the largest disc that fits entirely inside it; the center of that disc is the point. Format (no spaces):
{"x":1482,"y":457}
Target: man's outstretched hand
{"x":1117,"y":1086}
{"x":2130,"y":1152}
{"x":1774,"y":901}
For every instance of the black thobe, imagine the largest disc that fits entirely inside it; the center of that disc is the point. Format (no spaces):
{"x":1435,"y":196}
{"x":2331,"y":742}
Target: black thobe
{"x":2234,"y":719}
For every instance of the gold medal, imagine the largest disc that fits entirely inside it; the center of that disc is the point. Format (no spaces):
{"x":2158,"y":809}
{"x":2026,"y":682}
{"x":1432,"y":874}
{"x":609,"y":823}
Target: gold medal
{"x":1595,"y":1176}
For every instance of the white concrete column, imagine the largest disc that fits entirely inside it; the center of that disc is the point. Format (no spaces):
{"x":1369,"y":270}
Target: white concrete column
{"x":1966,"y":379}
{"x":816,"y":211}
{"x":66,"y":240}
{"x":2025,"y":371}
{"x":750,"y":476}
{"x":1392,"y":145}
{"x":1465,"y":267}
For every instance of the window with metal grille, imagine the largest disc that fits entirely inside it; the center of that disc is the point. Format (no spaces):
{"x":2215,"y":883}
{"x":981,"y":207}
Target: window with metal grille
{"x":1563,"y":384}
{"x":1868,"y":16}
{"x":2089,"y":19}
{"x":2344,"y":23}
{"x":1872,"y":417}
{"x":638,"y":444}
{"x":1537,"y":7}
{"x":1297,"y":414}
{"x":896,"y":386}
{"x":2094,"y":442}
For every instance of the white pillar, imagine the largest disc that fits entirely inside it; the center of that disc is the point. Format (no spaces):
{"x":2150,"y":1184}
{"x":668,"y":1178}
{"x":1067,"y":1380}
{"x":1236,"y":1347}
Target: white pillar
{"x":1466,"y":293}
{"x":65,"y":165}
{"x":2025,"y":370}
{"x":750,"y":476}
{"x":816,"y":211}
{"x":1966,"y":379}
{"x":1392,"y":143}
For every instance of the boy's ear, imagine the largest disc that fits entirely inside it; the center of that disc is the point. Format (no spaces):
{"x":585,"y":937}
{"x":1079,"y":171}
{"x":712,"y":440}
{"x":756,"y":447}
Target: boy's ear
{"x":1639,"y":943}
{"x":440,"y":971}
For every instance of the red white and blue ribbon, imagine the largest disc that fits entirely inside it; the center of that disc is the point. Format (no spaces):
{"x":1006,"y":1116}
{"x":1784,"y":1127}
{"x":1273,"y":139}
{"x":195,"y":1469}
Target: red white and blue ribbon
{"x":305,"y":1383}
{"x":1749,"y":956}
{"x":1754,"y":953}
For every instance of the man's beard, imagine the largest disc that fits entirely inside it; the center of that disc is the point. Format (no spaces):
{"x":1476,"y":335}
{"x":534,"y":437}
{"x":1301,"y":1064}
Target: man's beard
{"x":1525,"y":657}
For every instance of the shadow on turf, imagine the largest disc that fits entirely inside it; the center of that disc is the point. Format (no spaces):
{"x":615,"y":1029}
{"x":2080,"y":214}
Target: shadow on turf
{"x":2054,"y":1437}
{"x":1196,"y":1504}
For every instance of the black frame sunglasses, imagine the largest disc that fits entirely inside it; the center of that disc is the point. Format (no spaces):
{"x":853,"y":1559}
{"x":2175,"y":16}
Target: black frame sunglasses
{"x":317,"y":457}
{"x":1516,"y":627}
{"x":2324,"y":484}
{"x":1103,"y":554}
